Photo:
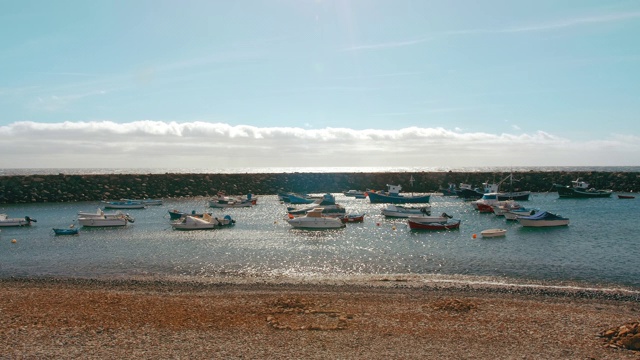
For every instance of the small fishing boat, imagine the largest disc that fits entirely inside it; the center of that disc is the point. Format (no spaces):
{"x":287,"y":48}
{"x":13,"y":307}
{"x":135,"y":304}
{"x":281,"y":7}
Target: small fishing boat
{"x":393,"y":196}
{"x":7,"y":221}
{"x":106,"y":221}
{"x":176,"y":214}
{"x":580,"y":189}
{"x":314,"y":219}
{"x":493,"y":233}
{"x":401,"y":211}
{"x":358,"y":194}
{"x":352,"y":218}
{"x":207,"y":222}
{"x":444,"y":217}
{"x":327,"y":203}
{"x":543,"y":219}
{"x":446,"y":225}
{"x":620,"y":196}
{"x":66,"y":231}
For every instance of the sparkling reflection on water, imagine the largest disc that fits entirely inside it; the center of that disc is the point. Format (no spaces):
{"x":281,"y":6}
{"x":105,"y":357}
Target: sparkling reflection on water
{"x":599,"y":246}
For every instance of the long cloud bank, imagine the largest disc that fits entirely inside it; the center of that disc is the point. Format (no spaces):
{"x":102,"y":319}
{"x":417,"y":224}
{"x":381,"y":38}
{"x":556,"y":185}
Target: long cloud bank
{"x":157,"y":144}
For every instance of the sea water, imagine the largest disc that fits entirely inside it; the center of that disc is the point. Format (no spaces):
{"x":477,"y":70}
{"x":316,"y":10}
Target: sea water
{"x":599,"y":247}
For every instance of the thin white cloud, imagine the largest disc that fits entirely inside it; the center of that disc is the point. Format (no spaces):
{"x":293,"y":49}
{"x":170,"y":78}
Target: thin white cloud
{"x":546,"y":26}
{"x":157,"y":144}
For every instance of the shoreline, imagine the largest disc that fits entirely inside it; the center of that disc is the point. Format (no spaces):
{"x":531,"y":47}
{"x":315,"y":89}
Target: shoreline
{"x":391,"y":317}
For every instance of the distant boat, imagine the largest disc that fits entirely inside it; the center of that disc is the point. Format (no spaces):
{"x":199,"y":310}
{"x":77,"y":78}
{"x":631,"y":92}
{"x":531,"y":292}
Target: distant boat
{"x":123,"y":205}
{"x":146,"y":201}
{"x":352,"y":218}
{"x":626,"y":196}
{"x":447,"y":225}
{"x":327,"y":203}
{"x":358,"y":194}
{"x":207,"y":222}
{"x":400,"y":211}
{"x":393,"y":196}
{"x":580,"y":189}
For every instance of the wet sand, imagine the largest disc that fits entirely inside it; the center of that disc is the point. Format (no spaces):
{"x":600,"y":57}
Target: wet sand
{"x":380,"y":318}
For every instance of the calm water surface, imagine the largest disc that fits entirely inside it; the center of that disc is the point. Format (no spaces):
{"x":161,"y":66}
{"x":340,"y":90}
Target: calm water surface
{"x":600,"y":246}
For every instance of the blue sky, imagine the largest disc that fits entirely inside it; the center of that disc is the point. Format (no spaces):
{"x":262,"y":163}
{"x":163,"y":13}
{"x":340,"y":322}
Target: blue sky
{"x":408,"y":83}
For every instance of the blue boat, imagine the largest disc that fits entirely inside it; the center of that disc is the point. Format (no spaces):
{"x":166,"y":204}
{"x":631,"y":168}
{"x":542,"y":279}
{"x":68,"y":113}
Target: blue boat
{"x":393,"y":196}
{"x":67,"y":231}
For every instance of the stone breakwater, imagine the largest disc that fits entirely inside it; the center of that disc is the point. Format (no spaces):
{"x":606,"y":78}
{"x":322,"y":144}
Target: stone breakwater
{"x":72,"y":188}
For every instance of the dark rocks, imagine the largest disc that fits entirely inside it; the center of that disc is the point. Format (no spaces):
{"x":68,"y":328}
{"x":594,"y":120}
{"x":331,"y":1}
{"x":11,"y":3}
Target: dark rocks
{"x":70,"y":188}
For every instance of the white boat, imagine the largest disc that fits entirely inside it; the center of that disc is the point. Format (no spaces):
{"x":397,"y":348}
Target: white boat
{"x":121,"y":220}
{"x":99,"y":214}
{"x":123,"y":205}
{"x":358,"y":194}
{"x":515,"y":213}
{"x":400,"y":211}
{"x":427,"y":219}
{"x":493,"y":233}
{"x":543,"y":219}
{"x":206,"y":222}
{"x":7,"y":221}
{"x":502,"y":207}
{"x":229,"y":203}
{"x":327,"y":203}
{"x":314,"y":219}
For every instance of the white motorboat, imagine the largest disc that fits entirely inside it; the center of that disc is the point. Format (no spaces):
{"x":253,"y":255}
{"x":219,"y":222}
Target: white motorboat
{"x":543,"y":219}
{"x":515,"y":213}
{"x":121,"y":220}
{"x":315,"y":219}
{"x":99,"y":214}
{"x":493,"y":233}
{"x":206,"y":222}
{"x":7,"y":221}
{"x":400,"y":211}
{"x":327,"y":203}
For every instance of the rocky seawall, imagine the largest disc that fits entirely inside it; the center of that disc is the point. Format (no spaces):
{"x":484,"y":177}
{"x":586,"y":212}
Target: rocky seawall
{"x":71,"y":188}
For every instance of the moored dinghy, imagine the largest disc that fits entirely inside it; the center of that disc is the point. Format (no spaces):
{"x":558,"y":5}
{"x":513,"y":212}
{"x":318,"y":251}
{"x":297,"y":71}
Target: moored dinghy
{"x":543,"y":219}
{"x":493,"y":233}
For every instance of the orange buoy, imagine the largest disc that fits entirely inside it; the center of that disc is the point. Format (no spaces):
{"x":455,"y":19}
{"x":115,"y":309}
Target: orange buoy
{"x":474,"y":236}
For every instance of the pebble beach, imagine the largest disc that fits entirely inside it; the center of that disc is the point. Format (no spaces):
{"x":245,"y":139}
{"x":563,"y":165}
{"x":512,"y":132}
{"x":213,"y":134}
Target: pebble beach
{"x":374,"y":318}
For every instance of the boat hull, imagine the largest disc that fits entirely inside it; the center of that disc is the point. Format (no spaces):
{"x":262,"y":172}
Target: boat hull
{"x":404,"y":212}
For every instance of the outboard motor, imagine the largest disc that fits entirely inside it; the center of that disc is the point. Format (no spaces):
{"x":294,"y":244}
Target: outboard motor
{"x":30,"y":220}
{"x":444,"y":214}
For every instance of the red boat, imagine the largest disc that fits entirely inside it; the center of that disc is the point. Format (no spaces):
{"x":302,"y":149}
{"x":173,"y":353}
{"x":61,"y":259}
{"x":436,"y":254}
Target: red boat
{"x":448,"y":225}
{"x":352,"y":218}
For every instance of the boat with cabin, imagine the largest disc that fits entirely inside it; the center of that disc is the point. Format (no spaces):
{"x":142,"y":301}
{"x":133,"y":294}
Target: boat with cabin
{"x":580,"y":189}
{"x":315,"y":219}
{"x":393,"y":196}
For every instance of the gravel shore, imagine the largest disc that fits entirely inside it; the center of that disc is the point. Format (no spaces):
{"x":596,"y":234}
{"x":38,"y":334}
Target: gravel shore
{"x":384,"y":318}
